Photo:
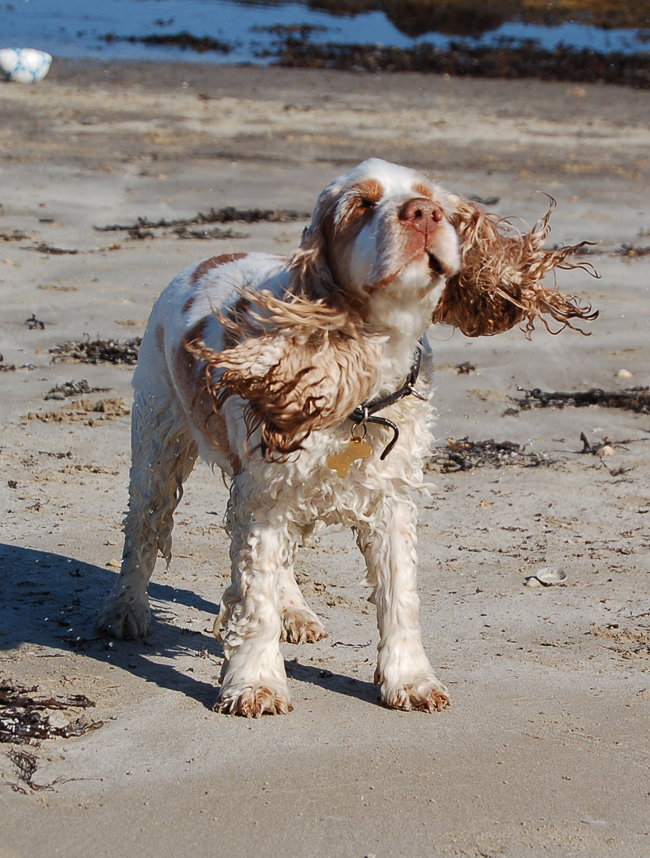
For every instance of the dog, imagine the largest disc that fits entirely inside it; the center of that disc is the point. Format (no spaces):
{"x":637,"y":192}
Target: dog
{"x":306,"y":379}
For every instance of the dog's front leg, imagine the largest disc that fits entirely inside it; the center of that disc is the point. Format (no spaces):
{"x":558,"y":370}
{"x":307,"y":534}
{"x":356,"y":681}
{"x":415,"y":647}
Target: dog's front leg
{"x":253,"y":679}
{"x":403,"y":671}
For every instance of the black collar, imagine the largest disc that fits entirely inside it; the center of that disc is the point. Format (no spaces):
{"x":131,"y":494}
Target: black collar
{"x":366,"y":413}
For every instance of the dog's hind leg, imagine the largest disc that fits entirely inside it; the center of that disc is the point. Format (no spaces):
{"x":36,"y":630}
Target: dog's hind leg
{"x":299,"y":623}
{"x":163,"y":455}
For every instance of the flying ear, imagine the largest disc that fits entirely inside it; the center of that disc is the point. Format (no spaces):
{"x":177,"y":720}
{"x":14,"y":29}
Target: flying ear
{"x":500,"y":282}
{"x":299,"y":365}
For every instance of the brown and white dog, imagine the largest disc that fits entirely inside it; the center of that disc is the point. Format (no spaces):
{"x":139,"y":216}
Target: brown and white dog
{"x":255,"y":362}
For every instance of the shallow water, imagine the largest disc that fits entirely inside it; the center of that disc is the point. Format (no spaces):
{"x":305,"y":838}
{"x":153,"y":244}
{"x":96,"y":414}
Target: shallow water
{"x":74,"y":28}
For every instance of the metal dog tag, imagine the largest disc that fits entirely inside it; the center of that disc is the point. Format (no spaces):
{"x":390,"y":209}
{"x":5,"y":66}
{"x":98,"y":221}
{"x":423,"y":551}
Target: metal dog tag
{"x":356,"y":449}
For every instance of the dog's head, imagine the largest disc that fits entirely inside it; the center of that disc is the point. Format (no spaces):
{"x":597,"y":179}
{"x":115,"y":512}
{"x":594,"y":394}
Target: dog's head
{"x":380,"y":238}
{"x":390,"y":243}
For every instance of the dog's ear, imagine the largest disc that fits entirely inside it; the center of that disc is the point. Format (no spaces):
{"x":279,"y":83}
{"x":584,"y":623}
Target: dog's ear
{"x":310,"y":269}
{"x":299,"y":365}
{"x":500,"y":282}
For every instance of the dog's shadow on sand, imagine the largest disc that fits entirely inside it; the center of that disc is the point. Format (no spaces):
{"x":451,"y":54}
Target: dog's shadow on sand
{"x":50,"y":600}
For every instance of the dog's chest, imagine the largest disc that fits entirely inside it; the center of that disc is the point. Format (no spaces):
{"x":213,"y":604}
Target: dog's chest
{"x":322,"y":495}
{"x":337,"y":480}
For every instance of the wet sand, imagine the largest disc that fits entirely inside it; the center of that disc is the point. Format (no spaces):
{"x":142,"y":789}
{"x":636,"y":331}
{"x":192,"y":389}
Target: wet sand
{"x":545,"y":748}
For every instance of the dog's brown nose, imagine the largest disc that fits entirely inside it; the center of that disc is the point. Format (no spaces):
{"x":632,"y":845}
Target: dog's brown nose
{"x":421,"y":214}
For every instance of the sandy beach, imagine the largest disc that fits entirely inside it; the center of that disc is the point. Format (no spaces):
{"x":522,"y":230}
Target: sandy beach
{"x":545,"y":750}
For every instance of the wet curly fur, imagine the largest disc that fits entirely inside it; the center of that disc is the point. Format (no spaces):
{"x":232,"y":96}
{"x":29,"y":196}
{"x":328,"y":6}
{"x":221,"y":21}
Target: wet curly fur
{"x":501,"y":279}
{"x":328,"y":366}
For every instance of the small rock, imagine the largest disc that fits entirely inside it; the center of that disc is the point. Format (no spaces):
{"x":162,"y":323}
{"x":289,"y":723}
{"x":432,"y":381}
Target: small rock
{"x":624,"y":373}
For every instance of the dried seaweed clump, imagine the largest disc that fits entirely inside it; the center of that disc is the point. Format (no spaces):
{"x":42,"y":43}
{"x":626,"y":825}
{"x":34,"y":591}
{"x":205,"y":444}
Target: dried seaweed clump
{"x":465,"y":455}
{"x":65,"y":389}
{"x":142,"y":228}
{"x":23,"y":719}
{"x":98,"y":351}
{"x":500,"y":283}
{"x":635,"y":399}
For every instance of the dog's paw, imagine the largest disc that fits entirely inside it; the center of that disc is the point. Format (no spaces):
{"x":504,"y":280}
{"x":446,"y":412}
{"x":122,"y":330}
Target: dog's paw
{"x":300,"y":627}
{"x":125,"y":620}
{"x":254,"y":701}
{"x":425,"y":694}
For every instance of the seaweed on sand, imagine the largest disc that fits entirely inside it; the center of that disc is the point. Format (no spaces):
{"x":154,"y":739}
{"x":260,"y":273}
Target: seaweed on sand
{"x":635,"y":399}
{"x":23,"y":717}
{"x":465,"y":455}
{"x":142,"y":228}
{"x":98,"y":351}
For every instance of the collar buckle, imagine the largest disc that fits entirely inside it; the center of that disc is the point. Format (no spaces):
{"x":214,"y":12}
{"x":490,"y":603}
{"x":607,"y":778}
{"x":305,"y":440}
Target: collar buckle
{"x":366,"y":413}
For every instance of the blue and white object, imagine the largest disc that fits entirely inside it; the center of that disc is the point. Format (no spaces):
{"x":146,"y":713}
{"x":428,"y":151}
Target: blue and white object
{"x":24,"y":65}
